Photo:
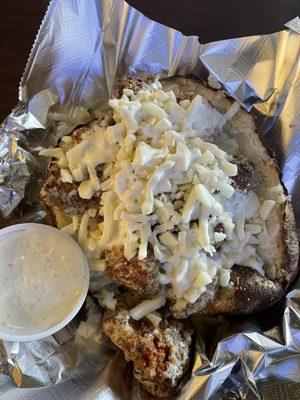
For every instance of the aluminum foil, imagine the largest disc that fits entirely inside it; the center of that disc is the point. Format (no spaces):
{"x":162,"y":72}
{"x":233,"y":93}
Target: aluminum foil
{"x":81,"y":48}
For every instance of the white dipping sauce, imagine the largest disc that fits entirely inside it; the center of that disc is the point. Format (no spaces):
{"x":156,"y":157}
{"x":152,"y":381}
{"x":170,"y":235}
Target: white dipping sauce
{"x":43,"y":277}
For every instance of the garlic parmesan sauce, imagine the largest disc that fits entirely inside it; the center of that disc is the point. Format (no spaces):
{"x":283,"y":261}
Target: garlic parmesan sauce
{"x":42,"y":277}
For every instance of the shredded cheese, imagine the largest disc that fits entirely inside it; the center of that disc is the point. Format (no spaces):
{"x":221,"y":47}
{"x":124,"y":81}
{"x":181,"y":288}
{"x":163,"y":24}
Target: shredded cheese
{"x":154,"y":318}
{"x":146,"y":307}
{"x":165,"y":185}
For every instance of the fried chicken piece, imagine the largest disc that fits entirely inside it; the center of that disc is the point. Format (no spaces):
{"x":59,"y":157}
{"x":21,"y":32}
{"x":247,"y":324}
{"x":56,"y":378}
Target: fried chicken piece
{"x":160,"y":354}
{"x":245,"y":172}
{"x":64,"y":195}
{"x":193,"y":308}
{"x":135,"y":274}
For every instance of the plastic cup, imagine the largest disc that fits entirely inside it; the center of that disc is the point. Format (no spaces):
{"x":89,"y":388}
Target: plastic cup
{"x":75,"y":283}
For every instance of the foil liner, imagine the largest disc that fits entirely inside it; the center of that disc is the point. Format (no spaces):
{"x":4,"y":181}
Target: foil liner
{"x":80,"y":50}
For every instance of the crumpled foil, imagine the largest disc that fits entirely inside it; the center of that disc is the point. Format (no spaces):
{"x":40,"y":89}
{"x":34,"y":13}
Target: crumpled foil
{"x":80,"y":49}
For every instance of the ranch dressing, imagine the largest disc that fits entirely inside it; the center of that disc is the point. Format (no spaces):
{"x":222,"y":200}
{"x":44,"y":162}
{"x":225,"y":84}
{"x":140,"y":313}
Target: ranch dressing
{"x":43,"y":277}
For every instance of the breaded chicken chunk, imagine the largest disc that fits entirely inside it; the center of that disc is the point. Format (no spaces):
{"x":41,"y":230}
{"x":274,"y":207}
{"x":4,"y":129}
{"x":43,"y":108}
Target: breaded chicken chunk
{"x":135,"y":274}
{"x":159,"y":354}
{"x":64,"y":195}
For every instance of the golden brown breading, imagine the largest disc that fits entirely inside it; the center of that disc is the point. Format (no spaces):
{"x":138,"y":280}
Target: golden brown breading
{"x":64,"y":195}
{"x":139,"y":275}
{"x":159,"y":354}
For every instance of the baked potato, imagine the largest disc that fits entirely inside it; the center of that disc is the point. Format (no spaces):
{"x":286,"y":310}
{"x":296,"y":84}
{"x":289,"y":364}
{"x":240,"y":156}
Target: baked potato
{"x":245,"y":222}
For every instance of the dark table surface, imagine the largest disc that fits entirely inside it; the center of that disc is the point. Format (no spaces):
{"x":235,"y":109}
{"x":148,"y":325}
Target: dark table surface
{"x":209,"y":19}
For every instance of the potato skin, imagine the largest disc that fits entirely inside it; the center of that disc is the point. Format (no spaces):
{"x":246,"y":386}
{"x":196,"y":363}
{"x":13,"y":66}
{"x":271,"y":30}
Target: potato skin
{"x":252,"y":292}
{"x":249,"y":293}
{"x":290,"y":261}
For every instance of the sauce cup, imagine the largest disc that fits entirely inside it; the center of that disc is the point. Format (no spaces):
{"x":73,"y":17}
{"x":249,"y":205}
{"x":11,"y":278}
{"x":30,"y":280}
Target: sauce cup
{"x":44,"y":280}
